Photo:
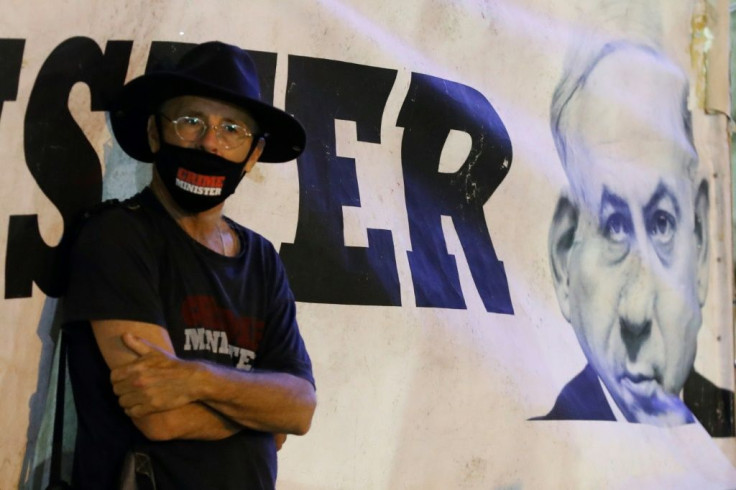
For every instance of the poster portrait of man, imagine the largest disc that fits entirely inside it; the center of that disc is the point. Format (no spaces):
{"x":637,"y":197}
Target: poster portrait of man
{"x":628,"y":243}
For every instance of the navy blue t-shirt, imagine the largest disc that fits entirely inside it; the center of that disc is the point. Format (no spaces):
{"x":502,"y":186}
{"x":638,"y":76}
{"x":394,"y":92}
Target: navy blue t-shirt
{"x":132,"y":261}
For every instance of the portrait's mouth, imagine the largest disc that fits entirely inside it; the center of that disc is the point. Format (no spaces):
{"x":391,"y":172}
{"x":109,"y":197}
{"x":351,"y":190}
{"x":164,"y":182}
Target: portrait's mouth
{"x":646,"y":400}
{"x":640,"y":386}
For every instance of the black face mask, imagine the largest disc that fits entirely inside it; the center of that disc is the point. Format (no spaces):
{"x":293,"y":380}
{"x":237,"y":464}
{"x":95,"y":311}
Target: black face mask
{"x":197,"y":180}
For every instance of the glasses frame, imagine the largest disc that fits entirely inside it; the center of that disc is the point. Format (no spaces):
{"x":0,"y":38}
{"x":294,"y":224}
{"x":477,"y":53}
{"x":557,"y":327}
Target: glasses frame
{"x":216,"y":127}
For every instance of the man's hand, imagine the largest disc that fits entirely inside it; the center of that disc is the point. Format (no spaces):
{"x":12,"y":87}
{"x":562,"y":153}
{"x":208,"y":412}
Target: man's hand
{"x":170,"y":398}
{"x":155,"y":382}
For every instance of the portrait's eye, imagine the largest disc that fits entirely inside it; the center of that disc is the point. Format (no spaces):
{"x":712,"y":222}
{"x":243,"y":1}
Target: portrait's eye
{"x":661,"y":220}
{"x":661,"y":227}
{"x":617,"y":228}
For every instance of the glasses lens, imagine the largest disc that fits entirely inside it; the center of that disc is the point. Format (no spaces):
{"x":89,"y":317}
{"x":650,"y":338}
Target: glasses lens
{"x":232,"y":135}
{"x":193,"y":128}
{"x":189,"y":128}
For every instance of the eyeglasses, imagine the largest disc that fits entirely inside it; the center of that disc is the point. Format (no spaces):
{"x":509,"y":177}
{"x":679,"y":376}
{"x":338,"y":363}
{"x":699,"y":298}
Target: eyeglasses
{"x":193,"y":128}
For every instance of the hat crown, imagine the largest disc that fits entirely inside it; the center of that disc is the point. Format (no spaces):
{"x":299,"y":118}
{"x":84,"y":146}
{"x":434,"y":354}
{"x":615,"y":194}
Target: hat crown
{"x":214,"y":70}
{"x":221,"y":66}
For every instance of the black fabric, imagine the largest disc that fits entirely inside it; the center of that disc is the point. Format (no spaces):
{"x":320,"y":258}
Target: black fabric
{"x":581,"y":399}
{"x":198,"y":180}
{"x":212,"y":69}
{"x":711,"y":405}
{"x":133,"y":262}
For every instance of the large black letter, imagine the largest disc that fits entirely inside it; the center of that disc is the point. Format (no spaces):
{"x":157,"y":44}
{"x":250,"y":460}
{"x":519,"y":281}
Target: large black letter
{"x":60,"y":158}
{"x":321,"y":268}
{"x":433,"y":107}
{"x":11,"y":57}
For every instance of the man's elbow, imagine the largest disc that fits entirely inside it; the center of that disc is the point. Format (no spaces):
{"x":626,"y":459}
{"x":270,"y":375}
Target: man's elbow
{"x":304,"y":420}
{"x":302,"y":425}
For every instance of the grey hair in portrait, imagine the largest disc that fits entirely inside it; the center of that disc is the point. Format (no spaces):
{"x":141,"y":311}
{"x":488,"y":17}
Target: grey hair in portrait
{"x":579,"y":66}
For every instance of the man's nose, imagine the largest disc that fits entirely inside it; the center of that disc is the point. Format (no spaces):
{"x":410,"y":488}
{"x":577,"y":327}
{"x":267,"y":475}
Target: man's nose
{"x":209,"y":141}
{"x":636,"y":307}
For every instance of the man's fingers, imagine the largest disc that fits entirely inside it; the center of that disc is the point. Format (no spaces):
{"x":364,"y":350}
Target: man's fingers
{"x":138,"y":410}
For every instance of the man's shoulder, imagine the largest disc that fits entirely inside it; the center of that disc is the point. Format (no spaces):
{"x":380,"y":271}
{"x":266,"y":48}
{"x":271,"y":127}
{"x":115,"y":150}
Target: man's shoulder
{"x":115,"y":212}
{"x":255,"y":242}
{"x":118,"y":221}
{"x":245,"y":230}
{"x":582,"y":398}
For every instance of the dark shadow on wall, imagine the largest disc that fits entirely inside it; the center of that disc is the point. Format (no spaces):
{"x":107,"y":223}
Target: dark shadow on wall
{"x":34,"y":473}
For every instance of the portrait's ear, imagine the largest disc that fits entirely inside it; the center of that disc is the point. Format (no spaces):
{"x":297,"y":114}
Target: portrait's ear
{"x":702,"y":206}
{"x":153,"y":136}
{"x":561,"y":237}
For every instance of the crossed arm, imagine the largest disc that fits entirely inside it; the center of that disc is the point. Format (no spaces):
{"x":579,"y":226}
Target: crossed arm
{"x":171,"y":398}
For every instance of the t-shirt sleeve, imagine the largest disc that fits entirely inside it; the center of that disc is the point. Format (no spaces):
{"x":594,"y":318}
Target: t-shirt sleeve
{"x":283,"y":348}
{"x":113,"y":271}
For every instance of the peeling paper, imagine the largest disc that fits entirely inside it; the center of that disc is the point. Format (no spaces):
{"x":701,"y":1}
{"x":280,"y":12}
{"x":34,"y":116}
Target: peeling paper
{"x":709,"y":49}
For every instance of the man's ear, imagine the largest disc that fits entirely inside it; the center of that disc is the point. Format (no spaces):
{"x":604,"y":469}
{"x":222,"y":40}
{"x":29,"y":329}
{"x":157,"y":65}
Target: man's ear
{"x":154,"y":141}
{"x":702,"y":205}
{"x":253,"y":158}
{"x":561,"y":238}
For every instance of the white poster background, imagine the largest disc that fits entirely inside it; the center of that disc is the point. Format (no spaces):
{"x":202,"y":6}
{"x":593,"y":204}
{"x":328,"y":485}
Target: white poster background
{"x":408,"y":397}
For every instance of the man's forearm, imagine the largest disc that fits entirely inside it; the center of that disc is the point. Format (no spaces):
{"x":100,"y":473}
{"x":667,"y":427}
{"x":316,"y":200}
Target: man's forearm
{"x":191,"y":421}
{"x":158,"y":382}
{"x":267,"y":401}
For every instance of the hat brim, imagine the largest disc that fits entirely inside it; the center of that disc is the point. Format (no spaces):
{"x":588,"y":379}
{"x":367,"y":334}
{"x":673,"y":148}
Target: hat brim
{"x":284,"y":135}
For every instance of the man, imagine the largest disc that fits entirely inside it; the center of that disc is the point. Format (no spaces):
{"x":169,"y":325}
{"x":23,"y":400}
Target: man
{"x":629,"y":244}
{"x":184,"y":352}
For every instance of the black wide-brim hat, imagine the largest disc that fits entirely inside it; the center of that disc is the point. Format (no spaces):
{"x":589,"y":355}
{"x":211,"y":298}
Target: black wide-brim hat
{"x":214,"y":70}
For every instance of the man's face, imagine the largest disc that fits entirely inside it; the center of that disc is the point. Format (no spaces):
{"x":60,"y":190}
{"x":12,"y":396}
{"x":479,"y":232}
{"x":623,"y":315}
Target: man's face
{"x":213,"y":112}
{"x":634,"y":300}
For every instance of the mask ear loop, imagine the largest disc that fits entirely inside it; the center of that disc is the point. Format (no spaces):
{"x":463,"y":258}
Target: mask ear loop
{"x":256,"y":140}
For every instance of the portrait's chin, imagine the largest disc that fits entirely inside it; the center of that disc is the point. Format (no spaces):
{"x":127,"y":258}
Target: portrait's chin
{"x":652,"y":405}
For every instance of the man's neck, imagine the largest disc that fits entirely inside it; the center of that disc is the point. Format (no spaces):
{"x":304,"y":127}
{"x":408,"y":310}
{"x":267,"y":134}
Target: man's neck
{"x":207,"y":227}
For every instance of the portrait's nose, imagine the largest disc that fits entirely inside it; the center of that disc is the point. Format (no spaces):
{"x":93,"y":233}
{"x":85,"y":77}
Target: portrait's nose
{"x":641,"y":332}
{"x":636,"y":307}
